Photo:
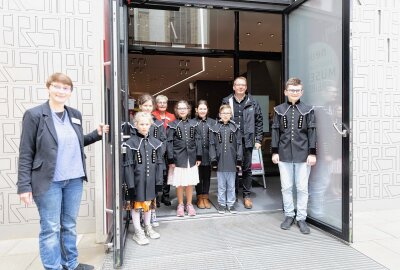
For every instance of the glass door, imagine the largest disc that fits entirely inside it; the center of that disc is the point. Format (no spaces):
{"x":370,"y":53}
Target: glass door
{"x":116,"y":103}
{"x":317,"y":51}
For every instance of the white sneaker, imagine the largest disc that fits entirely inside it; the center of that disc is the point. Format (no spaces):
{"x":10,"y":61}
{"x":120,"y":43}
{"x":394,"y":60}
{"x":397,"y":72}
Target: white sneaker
{"x":140,"y":238}
{"x":148,"y":230}
{"x":153,"y":220}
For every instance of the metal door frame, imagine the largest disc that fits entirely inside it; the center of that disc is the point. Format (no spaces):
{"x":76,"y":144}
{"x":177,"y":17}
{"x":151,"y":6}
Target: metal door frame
{"x":347,"y":176}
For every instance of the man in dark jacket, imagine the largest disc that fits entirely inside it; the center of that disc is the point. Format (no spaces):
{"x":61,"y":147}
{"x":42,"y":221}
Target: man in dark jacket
{"x":248,"y":117}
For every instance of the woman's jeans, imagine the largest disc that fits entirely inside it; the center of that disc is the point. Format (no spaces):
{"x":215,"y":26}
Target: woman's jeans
{"x":295,"y":173}
{"x":58,"y":210}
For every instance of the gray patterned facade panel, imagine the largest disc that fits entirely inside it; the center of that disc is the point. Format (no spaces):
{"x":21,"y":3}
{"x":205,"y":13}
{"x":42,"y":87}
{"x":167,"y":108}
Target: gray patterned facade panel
{"x":38,"y":38}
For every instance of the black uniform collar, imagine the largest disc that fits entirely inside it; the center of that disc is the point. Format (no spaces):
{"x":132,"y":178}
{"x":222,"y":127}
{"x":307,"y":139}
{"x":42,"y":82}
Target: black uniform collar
{"x":201,"y":119}
{"x":290,"y":103}
{"x":140,"y":135}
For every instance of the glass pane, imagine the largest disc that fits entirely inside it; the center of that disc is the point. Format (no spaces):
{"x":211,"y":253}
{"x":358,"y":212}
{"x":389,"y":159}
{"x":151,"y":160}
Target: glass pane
{"x":315,"y":56}
{"x":264,"y":83}
{"x":188,"y":27}
{"x":260,"y":32}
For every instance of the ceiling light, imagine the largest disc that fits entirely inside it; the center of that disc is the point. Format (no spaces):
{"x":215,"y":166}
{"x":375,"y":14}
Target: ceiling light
{"x":219,"y":61}
{"x":248,"y":34}
{"x":258,"y":23}
{"x":272,"y":35}
{"x":260,"y":44}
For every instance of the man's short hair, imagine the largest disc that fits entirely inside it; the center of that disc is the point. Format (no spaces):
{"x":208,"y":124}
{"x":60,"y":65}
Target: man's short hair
{"x":293,"y":81}
{"x":161,"y":98}
{"x":240,"y":78}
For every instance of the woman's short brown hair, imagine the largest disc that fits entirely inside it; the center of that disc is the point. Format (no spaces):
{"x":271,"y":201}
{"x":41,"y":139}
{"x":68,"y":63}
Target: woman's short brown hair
{"x":60,"y":78}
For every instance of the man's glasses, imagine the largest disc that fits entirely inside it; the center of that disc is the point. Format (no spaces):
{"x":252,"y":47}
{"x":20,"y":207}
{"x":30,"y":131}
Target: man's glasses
{"x":294,"y":91}
{"x":61,"y":89}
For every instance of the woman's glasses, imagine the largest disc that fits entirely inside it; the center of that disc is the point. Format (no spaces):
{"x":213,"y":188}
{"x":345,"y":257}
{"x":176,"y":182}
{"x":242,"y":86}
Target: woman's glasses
{"x":60,"y":88}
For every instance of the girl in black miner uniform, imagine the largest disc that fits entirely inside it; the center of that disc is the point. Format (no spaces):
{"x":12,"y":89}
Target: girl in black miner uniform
{"x":143,"y":175}
{"x":184,"y":155}
{"x":146,"y":104}
{"x":205,"y":123}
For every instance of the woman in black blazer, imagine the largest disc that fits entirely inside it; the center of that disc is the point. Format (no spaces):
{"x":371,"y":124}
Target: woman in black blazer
{"x":52,"y":169}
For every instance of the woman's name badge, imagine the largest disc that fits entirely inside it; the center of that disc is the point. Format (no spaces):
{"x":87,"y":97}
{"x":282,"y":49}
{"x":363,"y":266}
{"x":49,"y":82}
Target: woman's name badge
{"x":76,"y":121}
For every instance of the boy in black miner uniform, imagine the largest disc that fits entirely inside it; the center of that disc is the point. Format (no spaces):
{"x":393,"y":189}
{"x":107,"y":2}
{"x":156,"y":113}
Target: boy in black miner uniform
{"x":143,"y":175}
{"x":203,"y":187}
{"x":226,"y":151}
{"x":294,"y":140}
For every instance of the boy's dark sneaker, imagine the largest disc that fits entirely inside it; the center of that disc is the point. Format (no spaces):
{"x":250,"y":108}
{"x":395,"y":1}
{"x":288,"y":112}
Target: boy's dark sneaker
{"x":221,"y":209}
{"x":232,"y":209}
{"x":303,"y":227}
{"x":82,"y":266}
{"x":287,"y":223}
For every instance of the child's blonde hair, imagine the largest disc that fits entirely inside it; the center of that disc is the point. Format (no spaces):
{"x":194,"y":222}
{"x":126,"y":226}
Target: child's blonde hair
{"x":142,"y":115}
{"x":225,"y":106}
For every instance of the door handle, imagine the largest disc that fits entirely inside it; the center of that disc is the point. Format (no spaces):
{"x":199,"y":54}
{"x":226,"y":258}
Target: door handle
{"x":342,"y":132}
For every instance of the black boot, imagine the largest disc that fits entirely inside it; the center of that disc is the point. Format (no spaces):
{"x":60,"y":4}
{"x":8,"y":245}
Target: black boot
{"x":165,"y":200}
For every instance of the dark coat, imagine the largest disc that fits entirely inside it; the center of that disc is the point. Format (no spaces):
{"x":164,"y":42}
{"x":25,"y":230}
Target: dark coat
{"x":204,"y":127}
{"x":156,"y":130}
{"x":252,"y":120}
{"x":184,"y":143}
{"x":143,"y":167}
{"x":294,"y":134}
{"x":38,"y":148}
{"x":226,"y":146}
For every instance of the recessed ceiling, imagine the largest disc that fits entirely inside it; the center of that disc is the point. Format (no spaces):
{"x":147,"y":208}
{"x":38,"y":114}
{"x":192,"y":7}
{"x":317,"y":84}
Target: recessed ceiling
{"x":172,"y":74}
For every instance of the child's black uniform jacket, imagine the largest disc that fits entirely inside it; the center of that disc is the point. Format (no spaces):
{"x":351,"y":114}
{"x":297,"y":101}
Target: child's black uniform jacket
{"x":294,"y":135}
{"x":226,"y":146}
{"x":143,"y":167}
{"x":204,"y":127}
{"x":156,"y":130}
{"x":184,"y":142}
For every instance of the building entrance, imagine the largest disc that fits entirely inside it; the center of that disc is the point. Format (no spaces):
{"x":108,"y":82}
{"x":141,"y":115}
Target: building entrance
{"x":194,"y":53}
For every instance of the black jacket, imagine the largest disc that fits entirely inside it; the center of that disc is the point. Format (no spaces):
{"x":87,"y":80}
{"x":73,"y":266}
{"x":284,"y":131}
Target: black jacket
{"x":156,"y":130}
{"x":38,"y":148}
{"x":184,"y":143}
{"x":204,"y":127}
{"x":252,"y":119}
{"x":294,"y":134}
{"x":143,"y":167}
{"x":226,"y":146}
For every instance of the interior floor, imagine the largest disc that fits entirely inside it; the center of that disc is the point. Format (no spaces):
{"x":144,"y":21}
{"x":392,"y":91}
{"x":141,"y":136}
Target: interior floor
{"x":269,"y":199}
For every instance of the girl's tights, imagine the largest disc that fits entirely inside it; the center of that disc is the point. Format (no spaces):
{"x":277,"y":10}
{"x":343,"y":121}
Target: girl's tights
{"x":136,"y":218}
